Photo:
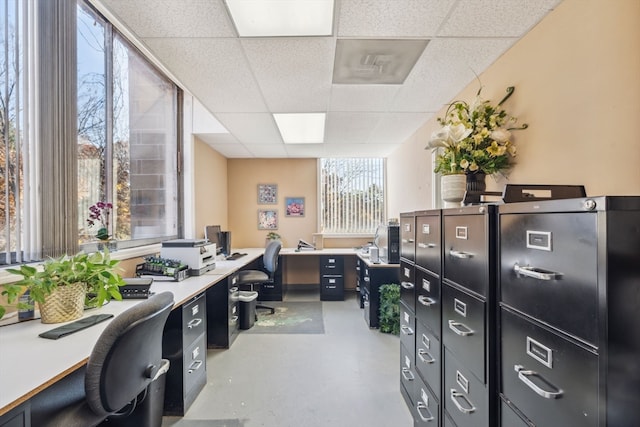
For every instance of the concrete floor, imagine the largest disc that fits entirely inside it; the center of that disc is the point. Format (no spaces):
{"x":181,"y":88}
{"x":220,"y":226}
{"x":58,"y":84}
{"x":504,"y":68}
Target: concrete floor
{"x":348,"y":376}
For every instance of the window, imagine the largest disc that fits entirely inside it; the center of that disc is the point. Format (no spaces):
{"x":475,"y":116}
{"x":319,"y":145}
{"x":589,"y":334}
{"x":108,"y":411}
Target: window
{"x":351,"y":195}
{"x":12,"y":142}
{"x":127,"y":137}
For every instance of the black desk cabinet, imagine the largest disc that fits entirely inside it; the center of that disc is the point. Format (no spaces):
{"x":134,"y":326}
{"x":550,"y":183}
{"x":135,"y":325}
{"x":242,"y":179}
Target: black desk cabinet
{"x":331,"y":278}
{"x":184,"y":344}
{"x":372,"y":279}
{"x":569,"y":295}
{"x":223,"y":313}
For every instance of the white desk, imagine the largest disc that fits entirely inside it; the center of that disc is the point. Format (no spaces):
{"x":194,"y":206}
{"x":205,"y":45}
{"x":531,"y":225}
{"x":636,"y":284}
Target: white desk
{"x":29,"y":364}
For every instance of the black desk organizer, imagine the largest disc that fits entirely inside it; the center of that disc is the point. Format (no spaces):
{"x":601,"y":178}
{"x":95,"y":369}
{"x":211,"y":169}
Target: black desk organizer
{"x":163,"y":269}
{"x":526,"y":193}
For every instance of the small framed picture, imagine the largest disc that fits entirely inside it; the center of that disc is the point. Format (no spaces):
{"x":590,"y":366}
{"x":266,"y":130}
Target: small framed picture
{"x":267,"y":194}
{"x":294,"y":206}
{"x":267,"y":219}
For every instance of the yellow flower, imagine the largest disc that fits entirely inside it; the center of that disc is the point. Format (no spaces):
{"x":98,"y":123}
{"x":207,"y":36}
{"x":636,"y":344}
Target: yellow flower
{"x":464,"y":163}
{"x":496,"y":150}
{"x":474,"y":167}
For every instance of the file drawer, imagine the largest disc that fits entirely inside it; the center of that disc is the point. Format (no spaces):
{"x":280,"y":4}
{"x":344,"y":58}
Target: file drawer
{"x":428,"y":358}
{"x":428,"y":246}
{"x":428,"y":304}
{"x":330,"y":264}
{"x":194,"y":365}
{"x":194,"y":317}
{"x":466,"y":251}
{"x":407,"y":285}
{"x":509,"y":418}
{"x":548,"y":269}
{"x":408,"y":236}
{"x":407,"y":375}
{"x":463,"y":328}
{"x":426,"y":410}
{"x":465,"y":398}
{"x":551,"y":380}
{"x":407,"y":328}
{"x":332,"y":287}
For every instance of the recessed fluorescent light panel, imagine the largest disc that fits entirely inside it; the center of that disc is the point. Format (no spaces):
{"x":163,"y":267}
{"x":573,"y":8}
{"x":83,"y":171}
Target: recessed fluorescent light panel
{"x":301,"y":128}
{"x":375,"y":61}
{"x":281,"y":18}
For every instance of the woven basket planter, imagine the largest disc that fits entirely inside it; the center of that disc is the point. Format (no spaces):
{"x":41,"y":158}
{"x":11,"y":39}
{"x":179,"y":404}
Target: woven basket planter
{"x":64,"y":304}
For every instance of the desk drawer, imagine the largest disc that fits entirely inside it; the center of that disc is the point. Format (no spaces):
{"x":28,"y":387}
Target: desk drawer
{"x":426,"y":410}
{"x":331,"y":264}
{"x":332,"y":287}
{"x":407,"y":236}
{"x":463,"y":328}
{"x":408,"y":374}
{"x":194,"y":315}
{"x":428,"y":300}
{"x":194,"y":364}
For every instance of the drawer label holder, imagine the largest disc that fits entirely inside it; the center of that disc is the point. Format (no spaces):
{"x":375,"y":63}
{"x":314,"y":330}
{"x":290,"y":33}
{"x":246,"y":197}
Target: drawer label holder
{"x":540,"y":352}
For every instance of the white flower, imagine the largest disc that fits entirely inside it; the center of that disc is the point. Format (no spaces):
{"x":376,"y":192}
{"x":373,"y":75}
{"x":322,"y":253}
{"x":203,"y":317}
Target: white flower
{"x":458,"y":132}
{"x":448,"y":136}
{"x":501,"y":135}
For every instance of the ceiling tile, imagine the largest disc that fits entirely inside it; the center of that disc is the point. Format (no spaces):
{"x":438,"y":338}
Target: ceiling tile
{"x":397,"y":18}
{"x":294,"y":74}
{"x":362,"y":97}
{"x":397,"y":127}
{"x":353,"y":127}
{"x":251,"y":128}
{"x":214,"y":70}
{"x":267,"y":150}
{"x":495,"y":18}
{"x":217,"y":138}
{"x":174,"y":18}
{"x":232,"y":150}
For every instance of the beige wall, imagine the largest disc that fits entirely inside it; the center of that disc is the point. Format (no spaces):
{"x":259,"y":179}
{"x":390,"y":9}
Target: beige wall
{"x":294,"y":178}
{"x":210,"y":188}
{"x":577,"y":79}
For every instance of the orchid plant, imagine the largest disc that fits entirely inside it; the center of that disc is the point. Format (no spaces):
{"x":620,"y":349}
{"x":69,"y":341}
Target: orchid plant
{"x":475,"y":137}
{"x":99,"y":213}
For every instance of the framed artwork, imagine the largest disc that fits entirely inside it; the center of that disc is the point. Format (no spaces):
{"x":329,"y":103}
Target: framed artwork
{"x":294,"y":206}
{"x":267,"y":194}
{"x":267,"y":219}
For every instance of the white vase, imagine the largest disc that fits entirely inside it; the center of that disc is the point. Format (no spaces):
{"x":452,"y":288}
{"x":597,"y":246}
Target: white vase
{"x":452,"y":189}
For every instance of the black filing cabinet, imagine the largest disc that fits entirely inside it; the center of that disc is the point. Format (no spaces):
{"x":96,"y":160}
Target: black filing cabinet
{"x":420,"y":315}
{"x":360,"y":269}
{"x":331,"y":278}
{"x":468,"y":315}
{"x":569,"y":298}
{"x":184,"y":344}
{"x":223,"y":313}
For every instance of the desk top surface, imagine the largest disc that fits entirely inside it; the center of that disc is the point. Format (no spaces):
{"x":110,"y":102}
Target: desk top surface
{"x":29,"y":364}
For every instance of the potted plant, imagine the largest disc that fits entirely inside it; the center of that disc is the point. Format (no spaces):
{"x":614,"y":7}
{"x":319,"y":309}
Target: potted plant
{"x":474,"y":140}
{"x":61,"y":285}
{"x":272,"y":235}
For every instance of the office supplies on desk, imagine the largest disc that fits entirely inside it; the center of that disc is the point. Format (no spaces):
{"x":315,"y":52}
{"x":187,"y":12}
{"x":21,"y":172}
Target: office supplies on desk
{"x":198,"y":254}
{"x":305,"y":245}
{"x":136,"y":287}
{"x":78,"y":325}
{"x":162,"y":269}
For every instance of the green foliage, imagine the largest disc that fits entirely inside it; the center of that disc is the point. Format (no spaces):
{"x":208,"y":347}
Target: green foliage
{"x":98,"y":271}
{"x":390,"y":308}
{"x":272,"y":235}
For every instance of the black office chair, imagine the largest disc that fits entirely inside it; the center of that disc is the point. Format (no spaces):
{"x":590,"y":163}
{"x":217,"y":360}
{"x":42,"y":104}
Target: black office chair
{"x":258,"y":277}
{"x":124,"y":362}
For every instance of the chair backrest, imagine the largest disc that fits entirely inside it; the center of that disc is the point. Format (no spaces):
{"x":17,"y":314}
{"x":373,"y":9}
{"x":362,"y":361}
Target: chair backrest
{"x":127,"y":355}
{"x":270,"y":257}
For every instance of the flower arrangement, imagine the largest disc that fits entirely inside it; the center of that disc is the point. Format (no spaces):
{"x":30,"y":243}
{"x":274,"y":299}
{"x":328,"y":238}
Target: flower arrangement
{"x":476,"y":137}
{"x":100,"y":213}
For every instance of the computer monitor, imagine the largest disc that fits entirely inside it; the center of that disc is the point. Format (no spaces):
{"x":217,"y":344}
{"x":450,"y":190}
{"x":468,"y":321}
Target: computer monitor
{"x":212,"y":234}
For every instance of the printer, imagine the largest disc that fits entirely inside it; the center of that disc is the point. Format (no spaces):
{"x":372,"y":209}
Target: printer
{"x":198,"y":254}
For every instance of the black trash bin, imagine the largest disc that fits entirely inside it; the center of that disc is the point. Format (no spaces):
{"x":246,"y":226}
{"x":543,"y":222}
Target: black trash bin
{"x":248,"y":301}
{"x":149,"y":412}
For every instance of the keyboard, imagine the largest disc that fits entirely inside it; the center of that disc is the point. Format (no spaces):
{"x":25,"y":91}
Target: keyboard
{"x":234,"y":256}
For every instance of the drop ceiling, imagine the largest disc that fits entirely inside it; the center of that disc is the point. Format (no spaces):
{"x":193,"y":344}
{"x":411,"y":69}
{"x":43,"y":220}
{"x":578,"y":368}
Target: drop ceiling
{"x":242,"y":81}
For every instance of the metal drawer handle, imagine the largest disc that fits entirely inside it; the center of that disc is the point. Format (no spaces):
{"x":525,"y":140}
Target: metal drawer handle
{"x":407,"y":285}
{"x":426,"y":245}
{"x":366,"y":279}
{"x":195,"y":365}
{"x":455,"y":327}
{"x":234,"y":319}
{"x":523,"y":376}
{"x":193,"y":323}
{"x":233,"y":290}
{"x":428,"y":301}
{"x":455,"y":396}
{"x":422,"y":407}
{"x":536,"y":273}
{"x":406,"y":330}
{"x":407,"y":374}
{"x":460,"y":254}
{"x":422,"y":352}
